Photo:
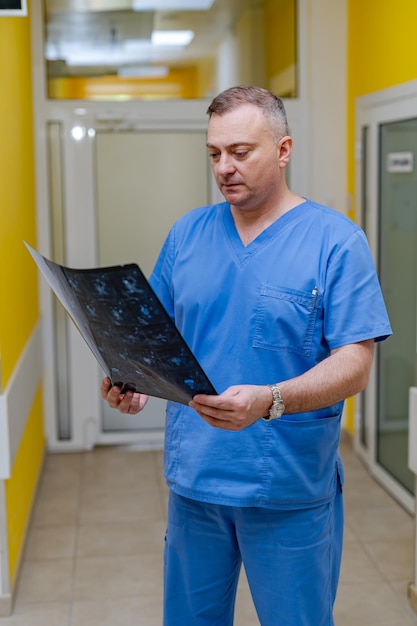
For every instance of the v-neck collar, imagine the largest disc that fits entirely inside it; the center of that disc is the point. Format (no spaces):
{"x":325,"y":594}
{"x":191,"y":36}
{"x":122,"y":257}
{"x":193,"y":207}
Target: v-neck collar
{"x":244,"y":253}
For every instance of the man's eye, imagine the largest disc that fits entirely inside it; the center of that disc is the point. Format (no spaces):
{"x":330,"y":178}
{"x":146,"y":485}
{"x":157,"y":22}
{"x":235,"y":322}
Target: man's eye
{"x":213,"y":155}
{"x":241,"y":154}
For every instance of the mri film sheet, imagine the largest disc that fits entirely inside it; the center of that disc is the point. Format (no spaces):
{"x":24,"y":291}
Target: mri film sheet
{"x":128,"y":330}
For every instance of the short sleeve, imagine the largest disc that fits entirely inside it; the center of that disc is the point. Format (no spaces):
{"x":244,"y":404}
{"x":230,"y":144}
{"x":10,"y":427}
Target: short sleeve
{"x":161,"y":277}
{"x":354,"y":308}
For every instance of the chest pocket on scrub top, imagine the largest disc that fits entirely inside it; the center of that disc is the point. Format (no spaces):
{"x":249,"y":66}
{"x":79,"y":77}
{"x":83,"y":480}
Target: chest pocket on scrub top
{"x":285,"y":319}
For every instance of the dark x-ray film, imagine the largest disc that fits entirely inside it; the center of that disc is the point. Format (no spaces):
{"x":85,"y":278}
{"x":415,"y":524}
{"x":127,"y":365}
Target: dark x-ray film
{"x":128,"y":330}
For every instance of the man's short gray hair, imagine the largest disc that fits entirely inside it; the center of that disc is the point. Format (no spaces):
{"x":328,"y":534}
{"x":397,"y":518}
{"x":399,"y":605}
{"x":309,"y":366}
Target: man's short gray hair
{"x":271,"y":105}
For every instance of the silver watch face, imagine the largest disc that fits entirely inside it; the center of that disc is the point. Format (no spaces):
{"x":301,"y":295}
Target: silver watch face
{"x":278,"y":406}
{"x":276,"y":411}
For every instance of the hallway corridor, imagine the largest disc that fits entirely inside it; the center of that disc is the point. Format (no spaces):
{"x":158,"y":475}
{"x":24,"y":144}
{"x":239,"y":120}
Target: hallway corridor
{"x":94,"y":551}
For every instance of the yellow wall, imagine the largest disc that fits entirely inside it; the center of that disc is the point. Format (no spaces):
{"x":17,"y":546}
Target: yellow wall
{"x":280,"y":36}
{"x":382,"y":52}
{"x":21,"y":487}
{"x":180,"y":83}
{"x":18,"y":275}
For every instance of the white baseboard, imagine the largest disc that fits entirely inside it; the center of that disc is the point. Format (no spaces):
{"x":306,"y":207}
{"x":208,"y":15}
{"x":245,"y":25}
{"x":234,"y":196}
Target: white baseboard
{"x":15,"y":406}
{"x":6,"y":605}
{"x":17,"y":400}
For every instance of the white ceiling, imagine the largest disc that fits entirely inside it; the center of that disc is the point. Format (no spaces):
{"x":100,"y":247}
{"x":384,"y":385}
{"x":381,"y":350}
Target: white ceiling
{"x":88,"y":37}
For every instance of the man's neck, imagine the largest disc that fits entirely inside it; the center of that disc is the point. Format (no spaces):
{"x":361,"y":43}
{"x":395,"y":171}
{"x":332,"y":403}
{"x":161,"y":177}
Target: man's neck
{"x":250,"y":223}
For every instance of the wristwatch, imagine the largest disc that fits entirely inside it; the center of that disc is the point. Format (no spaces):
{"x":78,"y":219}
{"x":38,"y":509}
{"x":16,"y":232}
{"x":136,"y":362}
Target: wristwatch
{"x":277,"y":406}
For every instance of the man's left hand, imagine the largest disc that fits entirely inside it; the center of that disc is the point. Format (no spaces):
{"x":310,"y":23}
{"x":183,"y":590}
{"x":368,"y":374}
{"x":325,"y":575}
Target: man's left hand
{"x":236,"y":408}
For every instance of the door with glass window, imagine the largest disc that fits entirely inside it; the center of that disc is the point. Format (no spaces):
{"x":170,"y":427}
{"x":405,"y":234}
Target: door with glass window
{"x":397,"y":270}
{"x":387,"y":201}
{"x":144,"y":182}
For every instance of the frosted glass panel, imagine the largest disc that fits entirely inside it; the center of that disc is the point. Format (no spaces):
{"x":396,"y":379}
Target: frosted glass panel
{"x":144,"y":182}
{"x":398,"y":274}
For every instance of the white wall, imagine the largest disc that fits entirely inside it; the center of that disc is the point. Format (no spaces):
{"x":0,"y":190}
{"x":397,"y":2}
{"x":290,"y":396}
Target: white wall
{"x":326,"y":93}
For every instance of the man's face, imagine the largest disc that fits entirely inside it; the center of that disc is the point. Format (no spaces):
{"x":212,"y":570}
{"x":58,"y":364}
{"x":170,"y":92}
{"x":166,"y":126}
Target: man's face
{"x":244,"y":157}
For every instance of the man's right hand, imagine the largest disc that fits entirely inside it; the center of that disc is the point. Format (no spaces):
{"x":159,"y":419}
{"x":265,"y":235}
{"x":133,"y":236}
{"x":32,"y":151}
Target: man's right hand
{"x":129,"y":402}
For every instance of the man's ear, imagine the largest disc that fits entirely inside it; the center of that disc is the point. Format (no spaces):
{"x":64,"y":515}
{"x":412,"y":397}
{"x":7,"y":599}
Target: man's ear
{"x":285,"y":145}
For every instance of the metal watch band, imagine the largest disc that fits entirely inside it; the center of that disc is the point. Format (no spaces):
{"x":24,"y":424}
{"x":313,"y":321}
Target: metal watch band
{"x":277,"y":407}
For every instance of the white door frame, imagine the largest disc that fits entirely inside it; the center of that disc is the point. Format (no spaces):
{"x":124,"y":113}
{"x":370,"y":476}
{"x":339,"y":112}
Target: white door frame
{"x":389,"y":105}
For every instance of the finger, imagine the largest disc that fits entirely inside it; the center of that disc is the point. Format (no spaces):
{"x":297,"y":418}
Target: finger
{"x":211,"y":413}
{"x":206,"y":400}
{"x":132,"y":402}
{"x":137,"y":402}
{"x":105,"y":387}
{"x":114,"y":397}
{"x":201,"y":409}
{"x":208,"y":405}
{"x":124,"y":402}
{"x":220,"y":424}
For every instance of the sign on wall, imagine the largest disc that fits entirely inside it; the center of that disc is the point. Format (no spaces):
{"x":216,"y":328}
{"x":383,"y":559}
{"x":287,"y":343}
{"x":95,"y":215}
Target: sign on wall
{"x":17,"y":8}
{"x":400,"y":162}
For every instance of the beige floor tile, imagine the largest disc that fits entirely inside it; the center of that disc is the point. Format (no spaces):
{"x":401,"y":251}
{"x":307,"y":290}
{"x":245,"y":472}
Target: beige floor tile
{"x":351,"y":462}
{"x":243,"y":581}
{"x":370,"y":604}
{"x":112,"y":468}
{"x":363,"y":491}
{"x":118,"y":577}
{"x":144,"y":611}
{"x":45,"y":581}
{"x":62,"y":469}
{"x":121,"y":538}
{"x":158,"y":458}
{"x":357,"y":566}
{"x":381,"y":523}
{"x":55,"y":506}
{"x":112,"y":505}
{"x":245,"y":613}
{"x":163,"y":494}
{"x":394,"y":558}
{"x":40,"y":614}
{"x":349,"y":535}
{"x":51,"y":542}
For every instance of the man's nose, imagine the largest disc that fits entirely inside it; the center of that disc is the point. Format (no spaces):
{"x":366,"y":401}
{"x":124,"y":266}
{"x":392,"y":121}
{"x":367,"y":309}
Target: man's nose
{"x":225,"y":165}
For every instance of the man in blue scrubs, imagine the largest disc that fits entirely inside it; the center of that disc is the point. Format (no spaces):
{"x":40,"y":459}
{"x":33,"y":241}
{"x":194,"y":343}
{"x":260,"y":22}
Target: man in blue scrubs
{"x":279,"y":300}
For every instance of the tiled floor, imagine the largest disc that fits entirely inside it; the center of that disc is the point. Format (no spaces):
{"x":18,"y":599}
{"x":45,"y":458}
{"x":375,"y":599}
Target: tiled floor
{"x":94,"y":551}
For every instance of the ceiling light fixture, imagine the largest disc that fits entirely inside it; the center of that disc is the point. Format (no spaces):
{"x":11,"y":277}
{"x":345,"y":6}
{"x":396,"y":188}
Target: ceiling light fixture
{"x":172,"y":5}
{"x":172,"y":37}
{"x":78,"y":54}
{"x":143,"y":71}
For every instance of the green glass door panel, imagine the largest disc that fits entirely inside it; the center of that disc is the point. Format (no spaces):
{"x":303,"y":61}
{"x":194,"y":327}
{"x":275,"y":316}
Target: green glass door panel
{"x":398,"y":275}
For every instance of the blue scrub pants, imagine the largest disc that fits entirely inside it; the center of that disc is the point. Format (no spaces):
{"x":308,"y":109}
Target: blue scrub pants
{"x":292,"y":561}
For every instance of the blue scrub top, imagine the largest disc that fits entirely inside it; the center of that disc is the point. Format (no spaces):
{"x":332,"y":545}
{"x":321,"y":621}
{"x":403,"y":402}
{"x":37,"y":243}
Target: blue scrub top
{"x":259,"y":314}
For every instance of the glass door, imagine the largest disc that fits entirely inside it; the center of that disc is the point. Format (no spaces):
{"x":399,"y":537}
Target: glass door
{"x":386,"y":201}
{"x":397,"y":270}
{"x":144,"y":182}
